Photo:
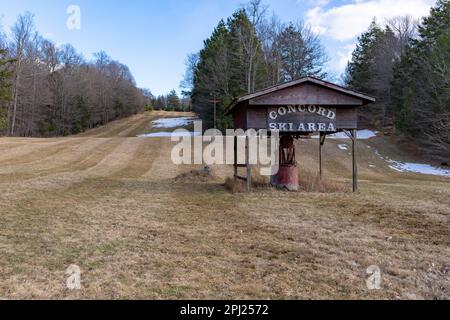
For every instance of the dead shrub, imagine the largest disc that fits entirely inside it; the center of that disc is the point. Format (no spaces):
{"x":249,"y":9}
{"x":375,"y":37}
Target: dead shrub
{"x":259,"y":181}
{"x":235,"y":185}
{"x":308,"y":182}
{"x":239,"y":186}
{"x":311,"y":182}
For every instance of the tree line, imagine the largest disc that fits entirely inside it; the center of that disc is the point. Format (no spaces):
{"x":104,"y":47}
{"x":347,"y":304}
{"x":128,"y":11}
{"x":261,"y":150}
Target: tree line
{"x":248,"y":52}
{"x":406,"y":66}
{"x":170,"y":102}
{"x":49,"y":90}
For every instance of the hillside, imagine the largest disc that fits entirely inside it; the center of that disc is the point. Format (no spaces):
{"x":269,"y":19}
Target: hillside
{"x":108,"y":202}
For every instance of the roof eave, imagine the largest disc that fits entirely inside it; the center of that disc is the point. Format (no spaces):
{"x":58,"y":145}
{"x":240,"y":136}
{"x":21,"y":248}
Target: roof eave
{"x":366,"y":98}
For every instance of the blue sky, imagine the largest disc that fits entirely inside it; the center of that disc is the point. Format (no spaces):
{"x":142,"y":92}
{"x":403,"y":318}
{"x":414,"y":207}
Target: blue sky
{"x":154,"y":37}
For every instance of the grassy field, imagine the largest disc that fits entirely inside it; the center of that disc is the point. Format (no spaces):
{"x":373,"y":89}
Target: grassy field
{"x":109,"y":203}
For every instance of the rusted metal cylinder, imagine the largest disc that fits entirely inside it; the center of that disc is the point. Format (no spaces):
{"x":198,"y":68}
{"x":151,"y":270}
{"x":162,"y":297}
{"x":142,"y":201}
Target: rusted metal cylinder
{"x":287,"y":176}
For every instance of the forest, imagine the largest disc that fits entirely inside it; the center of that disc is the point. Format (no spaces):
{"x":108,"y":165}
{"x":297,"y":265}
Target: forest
{"x":246,"y":53}
{"x":406,"y":66}
{"x":170,"y":102}
{"x":48,"y":90}
{"x":404,"y":63}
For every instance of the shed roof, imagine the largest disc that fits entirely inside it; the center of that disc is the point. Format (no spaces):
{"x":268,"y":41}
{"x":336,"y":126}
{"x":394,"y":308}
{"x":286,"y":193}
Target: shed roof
{"x":366,"y":98}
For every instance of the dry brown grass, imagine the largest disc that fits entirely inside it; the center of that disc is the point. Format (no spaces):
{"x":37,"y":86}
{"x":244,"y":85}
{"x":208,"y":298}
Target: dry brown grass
{"x":234,"y":185}
{"x":312,"y":182}
{"x":110,"y":204}
{"x":308,"y":182}
{"x":198,"y":175}
{"x":259,"y":182}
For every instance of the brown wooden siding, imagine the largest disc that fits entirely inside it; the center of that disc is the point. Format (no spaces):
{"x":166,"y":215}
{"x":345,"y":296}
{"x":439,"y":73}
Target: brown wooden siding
{"x":257,"y":118}
{"x":346,"y":117}
{"x":240,"y":117}
{"x":307,"y":94}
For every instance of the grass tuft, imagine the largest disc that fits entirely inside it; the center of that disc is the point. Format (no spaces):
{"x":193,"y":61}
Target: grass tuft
{"x":312,"y":182}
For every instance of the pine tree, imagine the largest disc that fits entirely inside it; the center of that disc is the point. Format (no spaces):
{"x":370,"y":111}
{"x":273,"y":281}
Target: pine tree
{"x":173,"y":101}
{"x":213,"y":75}
{"x":236,"y":60}
{"x":371,"y":69}
{"x":421,"y":86}
{"x":359,"y":69}
{"x":301,"y":54}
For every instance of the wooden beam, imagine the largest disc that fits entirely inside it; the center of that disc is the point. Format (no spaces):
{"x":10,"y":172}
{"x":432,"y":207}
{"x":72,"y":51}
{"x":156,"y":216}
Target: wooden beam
{"x":323,"y":136}
{"x":365,"y":98}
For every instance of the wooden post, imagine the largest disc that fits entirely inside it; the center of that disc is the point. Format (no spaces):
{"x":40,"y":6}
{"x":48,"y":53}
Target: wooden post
{"x":235,"y":157}
{"x":320,"y":155}
{"x":247,"y":161}
{"x":321,"y":143}
{"x":215,"y":112}
{"x":355,"y":164}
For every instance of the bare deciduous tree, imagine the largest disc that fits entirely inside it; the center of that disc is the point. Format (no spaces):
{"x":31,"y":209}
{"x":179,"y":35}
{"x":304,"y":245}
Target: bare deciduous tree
{"x":56,"y":92}
{"x":22,"y":32}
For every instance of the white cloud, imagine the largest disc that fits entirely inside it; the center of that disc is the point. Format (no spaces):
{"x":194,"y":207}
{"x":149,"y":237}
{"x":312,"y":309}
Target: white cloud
{"x":344,"y":56}
{"x":318,"y":3}
{"x":345,"y":22}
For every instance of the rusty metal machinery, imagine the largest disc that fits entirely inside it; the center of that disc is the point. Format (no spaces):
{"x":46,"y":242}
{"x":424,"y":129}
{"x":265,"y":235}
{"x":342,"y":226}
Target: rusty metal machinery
{"x":287,"y":176}
{"x":287,"y":151}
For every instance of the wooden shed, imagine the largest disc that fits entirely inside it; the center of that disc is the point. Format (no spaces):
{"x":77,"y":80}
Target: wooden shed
{"x":302,"y":107}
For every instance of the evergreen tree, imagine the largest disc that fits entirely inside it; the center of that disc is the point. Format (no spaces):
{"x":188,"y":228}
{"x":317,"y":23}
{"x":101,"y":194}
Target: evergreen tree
{"x":173,"y":101}
{"x":160,"y":103}
{"x":239,"y":58}
{"x":371,"y":69}
{"x":213,"y":75}
{"x":359,"y":69}
{"x":229,"y":65}
{"x":301,"y":53}
{"x":421,"y":86}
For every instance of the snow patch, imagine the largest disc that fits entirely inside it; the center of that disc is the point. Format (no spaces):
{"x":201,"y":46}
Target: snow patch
{"x":343,"y":147}
{"x":167,"y":123}
{"x":418,"y":168}
{"x":362,"y":135}
{"x":172,"y":122}
{"x":169,"y":134}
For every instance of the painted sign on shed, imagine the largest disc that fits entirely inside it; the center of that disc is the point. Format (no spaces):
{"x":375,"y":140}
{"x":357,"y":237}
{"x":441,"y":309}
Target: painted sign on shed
{"x":297,"y":109}
{"x":302,"y":118}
